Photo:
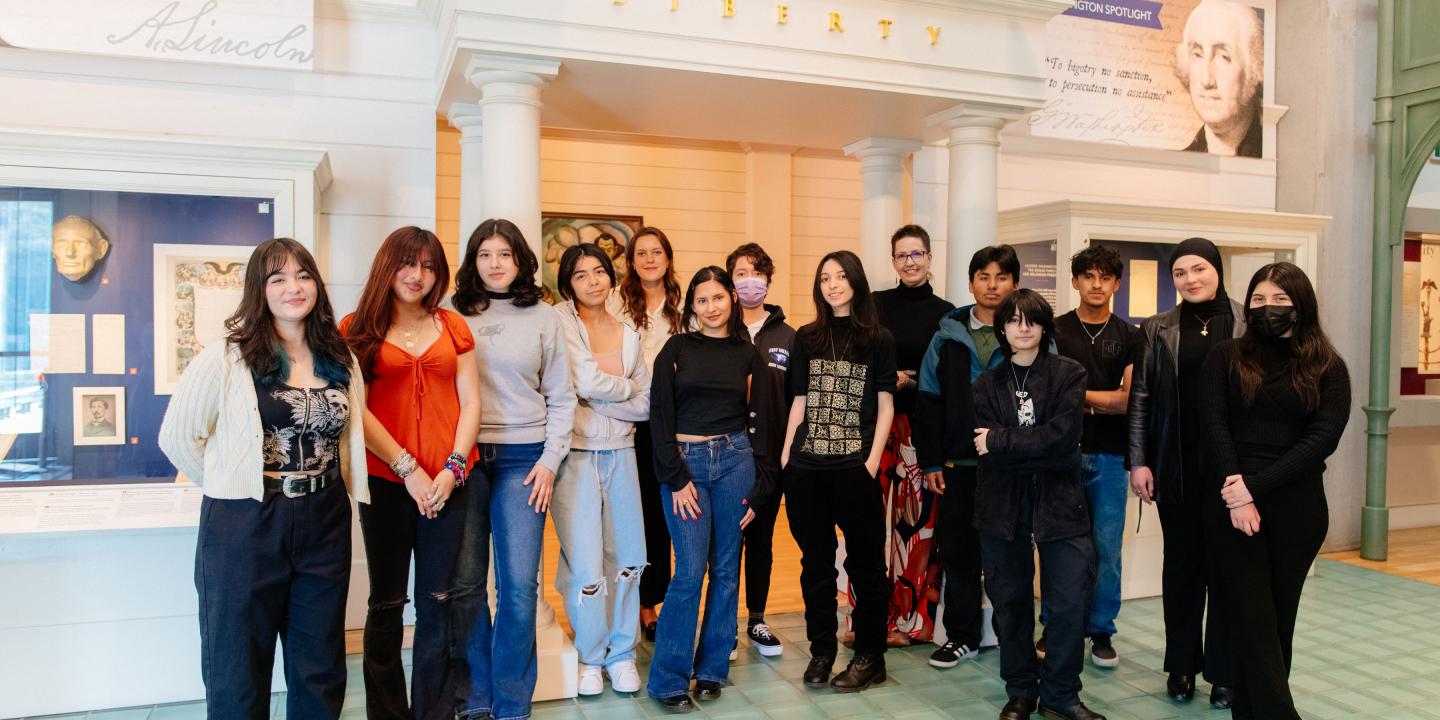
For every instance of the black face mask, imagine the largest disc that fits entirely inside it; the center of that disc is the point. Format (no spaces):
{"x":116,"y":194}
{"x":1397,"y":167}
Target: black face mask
{"x":1272,"y":320}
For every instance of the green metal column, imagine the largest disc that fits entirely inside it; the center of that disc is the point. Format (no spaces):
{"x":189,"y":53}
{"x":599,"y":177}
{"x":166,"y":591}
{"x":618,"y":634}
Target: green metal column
{"x":1375,"y":518}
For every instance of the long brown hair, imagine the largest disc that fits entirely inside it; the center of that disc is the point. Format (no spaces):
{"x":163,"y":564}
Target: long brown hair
{"x":1311,"y":350}
{"x":632,"y":295}
{"x":471,"y":297}
{"x":252,"y":327}
{"x":407,"y":246}
{"x":864,"y":317}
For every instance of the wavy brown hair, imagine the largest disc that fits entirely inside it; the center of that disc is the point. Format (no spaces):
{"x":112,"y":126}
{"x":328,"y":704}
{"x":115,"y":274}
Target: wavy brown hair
{"x":1311,"y":350}
{"x":252,"y":326}
{"x":471,"y":297}
{"x":864,"y":317}
{"x":405,"y":247}
{"x":632,"y":295}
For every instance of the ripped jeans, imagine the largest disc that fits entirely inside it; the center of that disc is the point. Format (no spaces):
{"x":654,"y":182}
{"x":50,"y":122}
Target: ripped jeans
{"x":596,"y":509}
{"x":393,"y":528}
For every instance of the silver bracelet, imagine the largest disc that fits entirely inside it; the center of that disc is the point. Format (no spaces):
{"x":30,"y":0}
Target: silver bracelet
{"x":404,"y":465}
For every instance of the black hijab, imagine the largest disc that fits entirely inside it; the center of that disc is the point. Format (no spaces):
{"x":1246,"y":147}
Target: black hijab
{"x":1206,"y":250}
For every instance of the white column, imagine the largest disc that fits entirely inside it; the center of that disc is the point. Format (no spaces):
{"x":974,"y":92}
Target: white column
{"x":510,"y":115}
{"x":882,"y":208}
{"x":974,"y":142}
{"x":467,"y":118}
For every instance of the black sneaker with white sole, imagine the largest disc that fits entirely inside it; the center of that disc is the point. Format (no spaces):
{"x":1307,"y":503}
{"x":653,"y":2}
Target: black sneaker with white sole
{"x":762,"y":639}
{"x":951,"y":653}
{"x":1102,"y":653}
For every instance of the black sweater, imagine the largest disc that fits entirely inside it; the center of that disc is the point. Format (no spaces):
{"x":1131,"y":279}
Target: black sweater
{"x":912,"y":315}
{"x":1274,"y":440}
{"x":704,"y":386}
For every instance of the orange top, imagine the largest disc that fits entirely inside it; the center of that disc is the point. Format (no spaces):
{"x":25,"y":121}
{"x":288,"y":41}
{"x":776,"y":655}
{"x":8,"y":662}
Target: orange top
{"x":414,"y":396}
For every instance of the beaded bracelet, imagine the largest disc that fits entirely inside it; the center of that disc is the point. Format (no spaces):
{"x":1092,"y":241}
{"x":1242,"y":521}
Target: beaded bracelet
{"x":404,"y":465}
{"x":456,"y":465}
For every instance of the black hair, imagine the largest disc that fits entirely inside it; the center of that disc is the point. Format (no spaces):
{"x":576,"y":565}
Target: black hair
{"x":1003,"y":255}
{"x":1030,"y":305}
{"x":758,"y":257}
{"x":1097,"y":257}
{"x":914,"y":231}
{"x":571,"y":258}
{"x":864,"y":317}
{"x":471,"y":297}
{"x":736,"y":324}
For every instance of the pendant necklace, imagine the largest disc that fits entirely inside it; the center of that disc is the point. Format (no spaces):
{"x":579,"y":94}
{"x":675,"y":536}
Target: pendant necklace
{"x":1025,"y":413}
{"x":1099,"y":332}
{"x":1204,"y":326}
{"x":408,"y":336}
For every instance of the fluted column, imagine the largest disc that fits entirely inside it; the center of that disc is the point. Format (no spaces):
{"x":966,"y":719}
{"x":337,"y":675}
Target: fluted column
{"x":882,"y":207}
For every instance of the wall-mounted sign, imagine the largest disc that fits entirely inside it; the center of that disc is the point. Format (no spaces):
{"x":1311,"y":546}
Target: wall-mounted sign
{"x":1178,"y":74}
{"x":258,"y":33}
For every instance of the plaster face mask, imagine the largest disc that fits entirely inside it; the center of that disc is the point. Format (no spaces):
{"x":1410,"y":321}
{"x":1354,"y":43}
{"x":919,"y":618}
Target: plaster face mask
{"x":752,"y":291}
{"x":1272,"y":320}
{"x":77,"y":245}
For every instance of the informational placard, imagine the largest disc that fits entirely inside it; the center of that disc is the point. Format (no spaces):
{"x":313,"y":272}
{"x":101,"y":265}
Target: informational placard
{"x":98,"y":508}
{"x":57,"y":343}
{"x":258,"y":33}
{"x":1179,"y":75}
{"x":107,"y":344}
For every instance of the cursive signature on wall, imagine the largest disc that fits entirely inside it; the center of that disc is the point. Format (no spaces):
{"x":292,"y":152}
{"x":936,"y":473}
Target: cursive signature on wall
{"x":166,"y":31}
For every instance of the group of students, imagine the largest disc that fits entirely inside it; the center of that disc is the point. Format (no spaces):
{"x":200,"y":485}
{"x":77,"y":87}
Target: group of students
{"x":643,"y":421}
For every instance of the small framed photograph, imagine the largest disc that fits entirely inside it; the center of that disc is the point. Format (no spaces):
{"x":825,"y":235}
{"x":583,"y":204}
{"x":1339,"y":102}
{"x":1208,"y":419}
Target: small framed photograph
{"x":99,"y":415}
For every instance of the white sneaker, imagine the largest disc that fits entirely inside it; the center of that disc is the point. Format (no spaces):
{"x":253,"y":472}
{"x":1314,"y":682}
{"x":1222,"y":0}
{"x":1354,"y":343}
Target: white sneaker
{"x":735,"y":651}
{"x":592,"y":680}
{"x":624,"y":677}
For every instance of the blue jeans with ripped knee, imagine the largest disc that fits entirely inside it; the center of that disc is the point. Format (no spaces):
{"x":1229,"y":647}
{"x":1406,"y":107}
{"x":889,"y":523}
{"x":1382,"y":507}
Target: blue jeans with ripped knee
{"x":596,"y":509}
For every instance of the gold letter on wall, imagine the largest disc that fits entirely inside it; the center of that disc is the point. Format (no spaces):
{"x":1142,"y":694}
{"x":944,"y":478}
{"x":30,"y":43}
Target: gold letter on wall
{"x":729,"y":9}
{"x":934,"y":33}
{"x":674,"y":5}
{"x":782,"y":14}
{"x":835,"y":25}
{"x":885,"y":28}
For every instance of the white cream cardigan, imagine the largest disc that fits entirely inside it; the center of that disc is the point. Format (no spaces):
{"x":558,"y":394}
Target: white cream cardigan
{"x":212,"y":432}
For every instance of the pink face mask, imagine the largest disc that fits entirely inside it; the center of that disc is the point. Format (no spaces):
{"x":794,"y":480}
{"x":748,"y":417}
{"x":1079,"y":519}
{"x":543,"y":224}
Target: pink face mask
{"x":752,"y":291}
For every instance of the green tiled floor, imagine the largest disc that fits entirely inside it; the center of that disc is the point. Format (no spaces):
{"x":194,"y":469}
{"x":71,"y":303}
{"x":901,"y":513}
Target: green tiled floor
{"x":1367,"y":647}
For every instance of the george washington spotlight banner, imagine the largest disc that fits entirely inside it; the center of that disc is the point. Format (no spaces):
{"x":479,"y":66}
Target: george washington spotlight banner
{"x":1178,"y":75}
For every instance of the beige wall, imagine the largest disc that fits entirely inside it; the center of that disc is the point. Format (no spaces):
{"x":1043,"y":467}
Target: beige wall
{"x":708,"y":198}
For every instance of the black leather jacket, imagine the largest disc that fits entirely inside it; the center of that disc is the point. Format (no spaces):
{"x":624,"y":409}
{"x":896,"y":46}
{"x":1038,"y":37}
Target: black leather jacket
{"x":1154,"y":410}
{"x":1040,"y":463}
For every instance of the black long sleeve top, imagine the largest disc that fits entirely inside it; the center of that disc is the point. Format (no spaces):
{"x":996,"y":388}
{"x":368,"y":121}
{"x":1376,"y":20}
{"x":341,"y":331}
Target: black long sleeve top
{"x":703,"y":386}
{"x":1274,"y":440}
{"x":912,"y":315}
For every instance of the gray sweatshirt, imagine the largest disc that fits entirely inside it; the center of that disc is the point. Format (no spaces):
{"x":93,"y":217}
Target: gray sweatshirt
{"x":525,"y":391}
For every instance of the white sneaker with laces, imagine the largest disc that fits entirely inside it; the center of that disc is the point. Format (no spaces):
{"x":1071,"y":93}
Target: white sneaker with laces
{"x":592,"y":680}
{"x":624,"y":677}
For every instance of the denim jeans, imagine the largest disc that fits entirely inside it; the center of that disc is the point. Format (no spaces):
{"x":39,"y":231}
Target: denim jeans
{"x":723,"y":471}
{"x":1107,"y":484}
{"x":393,"y":528}
{"x":276,"y":567}
{"x":596,"y":509}
{"x":501,"y":655}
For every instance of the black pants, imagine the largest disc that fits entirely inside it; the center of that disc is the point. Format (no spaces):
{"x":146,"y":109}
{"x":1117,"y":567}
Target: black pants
{"x":1067,"y":577}
{"x":819,"y":501}
{"x":1184,"y":582}
{"x":960,"y":556}
{"x":262,"y":569}
{"x":393,"y":528}
{"x":656,"y":578}
{"x":1258,"y":580}
{"x":757,"y":554}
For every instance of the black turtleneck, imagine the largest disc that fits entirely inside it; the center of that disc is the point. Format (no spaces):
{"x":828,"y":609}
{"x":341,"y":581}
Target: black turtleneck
{"x":912,"y":315}
{"x":1215,"y":321}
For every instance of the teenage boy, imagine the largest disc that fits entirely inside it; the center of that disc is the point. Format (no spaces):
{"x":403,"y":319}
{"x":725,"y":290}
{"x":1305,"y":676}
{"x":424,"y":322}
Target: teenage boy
{"x":751,"y":268}
{"x":1106,"y":345}
{"x":964,"y":347}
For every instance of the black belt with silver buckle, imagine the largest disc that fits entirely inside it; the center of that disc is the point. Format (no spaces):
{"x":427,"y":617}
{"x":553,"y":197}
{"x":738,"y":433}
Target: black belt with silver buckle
{"x":297,"y":485}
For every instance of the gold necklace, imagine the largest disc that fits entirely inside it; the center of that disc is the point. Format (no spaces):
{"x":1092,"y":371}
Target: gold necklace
{"x":1204,"y":325}
{"x":408,"y":336}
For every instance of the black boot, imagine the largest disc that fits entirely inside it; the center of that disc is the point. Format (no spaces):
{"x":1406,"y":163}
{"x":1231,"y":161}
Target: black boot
{"x":677,"y":703}
{"x":1078,"y":711}
{"x":817,"y":673}
{"x":864,"y":670}
{"x":1019,"y":708}
{"x":1221,"y":696}
{"x":707,"y":690}
{"x":1181,"y":687}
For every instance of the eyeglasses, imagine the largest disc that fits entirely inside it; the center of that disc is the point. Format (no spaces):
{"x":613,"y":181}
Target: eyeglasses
{"x":913,"y":256}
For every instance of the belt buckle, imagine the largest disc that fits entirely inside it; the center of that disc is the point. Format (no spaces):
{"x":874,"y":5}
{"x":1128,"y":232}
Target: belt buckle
{"x":293,"y":490}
